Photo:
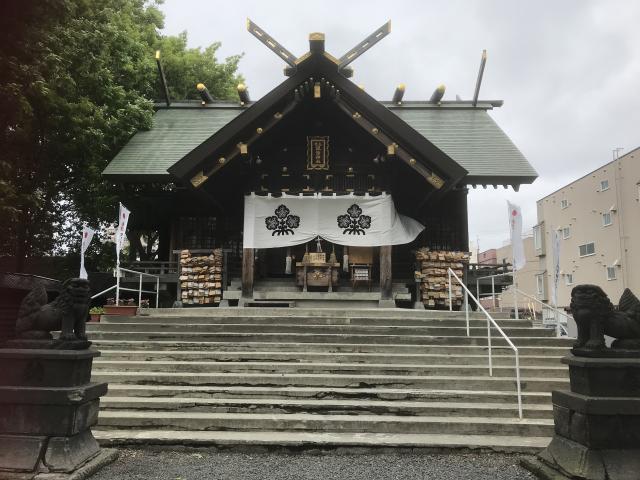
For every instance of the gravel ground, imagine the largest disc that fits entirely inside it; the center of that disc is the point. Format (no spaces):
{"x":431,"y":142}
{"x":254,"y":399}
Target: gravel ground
{"x":202,"y":464}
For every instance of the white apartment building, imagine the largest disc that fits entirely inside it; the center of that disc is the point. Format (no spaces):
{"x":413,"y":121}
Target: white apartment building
{"x":598,"y":217}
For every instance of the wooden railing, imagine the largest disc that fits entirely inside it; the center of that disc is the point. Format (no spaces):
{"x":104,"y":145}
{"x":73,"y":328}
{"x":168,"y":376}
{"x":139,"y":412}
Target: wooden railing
{"x":155,"y":267}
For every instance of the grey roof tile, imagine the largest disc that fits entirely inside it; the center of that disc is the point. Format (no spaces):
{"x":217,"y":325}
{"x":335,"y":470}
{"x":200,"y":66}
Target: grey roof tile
{"x":470,"y":137}
{"x":175,"y":132}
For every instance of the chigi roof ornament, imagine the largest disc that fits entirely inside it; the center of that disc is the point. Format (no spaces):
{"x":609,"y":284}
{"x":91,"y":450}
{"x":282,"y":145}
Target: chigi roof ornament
{"x":316,"y":45}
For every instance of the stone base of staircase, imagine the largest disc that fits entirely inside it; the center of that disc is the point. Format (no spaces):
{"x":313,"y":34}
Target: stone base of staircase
{"x":360,"y":442}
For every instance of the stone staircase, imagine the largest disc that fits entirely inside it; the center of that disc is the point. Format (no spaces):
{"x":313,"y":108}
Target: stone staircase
{"x":324,"y":378}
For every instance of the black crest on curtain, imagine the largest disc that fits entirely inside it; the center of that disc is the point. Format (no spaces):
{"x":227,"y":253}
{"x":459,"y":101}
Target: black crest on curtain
{"x":354,"y":222}
{"x":283,"y":223}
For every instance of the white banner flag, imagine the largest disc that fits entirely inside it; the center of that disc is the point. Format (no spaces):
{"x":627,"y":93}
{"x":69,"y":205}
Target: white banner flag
{"x":87,"y":236}
{"x":556,"y":266}
{"x":515,"y":228}
{"x":123,"y":219}
{"x":363,"y":221}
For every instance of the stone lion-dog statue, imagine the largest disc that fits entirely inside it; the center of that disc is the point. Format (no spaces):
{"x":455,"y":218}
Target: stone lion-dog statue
{"x":67,"y":313}
{"x":595,"y":317}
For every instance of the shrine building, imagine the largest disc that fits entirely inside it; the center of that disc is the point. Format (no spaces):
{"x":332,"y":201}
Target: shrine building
{"x":316,"y":186}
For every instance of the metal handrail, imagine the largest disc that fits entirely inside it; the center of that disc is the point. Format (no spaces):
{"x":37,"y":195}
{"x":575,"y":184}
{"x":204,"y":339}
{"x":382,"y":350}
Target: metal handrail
{"x":550,"y":307}
{"x":140,"y":291}
{"x":490,"y":321}
{"x":493,"y":288}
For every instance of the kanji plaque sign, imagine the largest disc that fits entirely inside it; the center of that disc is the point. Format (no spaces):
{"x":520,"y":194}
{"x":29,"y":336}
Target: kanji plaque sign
{"x":317,"y":153}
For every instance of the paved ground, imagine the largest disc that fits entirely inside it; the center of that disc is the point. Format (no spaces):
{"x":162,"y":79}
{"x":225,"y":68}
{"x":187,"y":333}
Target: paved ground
{"x":202,"y":464}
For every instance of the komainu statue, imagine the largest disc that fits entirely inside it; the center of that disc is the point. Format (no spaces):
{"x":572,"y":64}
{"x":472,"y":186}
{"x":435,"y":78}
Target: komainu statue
{"x":595,"y":317}
{"x":67,"y":313}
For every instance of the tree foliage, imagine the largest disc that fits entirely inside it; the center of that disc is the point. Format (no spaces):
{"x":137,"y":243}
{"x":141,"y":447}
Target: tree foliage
{"x":76,"y":82}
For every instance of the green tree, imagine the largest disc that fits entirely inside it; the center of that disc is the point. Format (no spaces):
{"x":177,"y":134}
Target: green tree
{"x":185,"y":67}
{"x":76,"y":79}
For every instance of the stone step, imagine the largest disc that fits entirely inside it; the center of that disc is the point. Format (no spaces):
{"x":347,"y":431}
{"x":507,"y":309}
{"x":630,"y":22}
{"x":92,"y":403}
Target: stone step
{"x":532,"y":384}
{"x":231,"y":312}
{"x":320,"y":299}
{"x":159,"y":367}
{"x":227,"y":329}
{"x":456,"y":337}
{"x":324,"y":407}
{"x":291,"y":284}
{"x":298,"y":439}
{"x":306,"y":320}
{"x":327,"y":348}
{"x":503,"y":358}
{"x":153,"y":419}
{"x":325,"y":393}
{"x":342,"y":287}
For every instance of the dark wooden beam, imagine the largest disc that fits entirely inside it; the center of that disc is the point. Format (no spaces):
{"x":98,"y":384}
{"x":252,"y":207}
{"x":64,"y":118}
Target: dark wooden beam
{"x":247,"y":273}
{"x":163,"y":79}
{"x":242,"y":147}
{"x":386,"y":280}
{"x":434,"y":179}
{"x":465,"y":218}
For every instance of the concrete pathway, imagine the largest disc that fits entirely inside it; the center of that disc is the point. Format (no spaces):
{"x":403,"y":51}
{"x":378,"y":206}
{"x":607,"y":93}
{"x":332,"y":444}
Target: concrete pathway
{"x":200,"y":464}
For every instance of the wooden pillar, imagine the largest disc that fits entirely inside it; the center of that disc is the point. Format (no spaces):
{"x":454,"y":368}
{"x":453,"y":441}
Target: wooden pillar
{"x":465,"y":230}
{"x":386,"y":281}
{"x":164,"y":240}
{"x":247,"y":273}
{"x":464,"y":213}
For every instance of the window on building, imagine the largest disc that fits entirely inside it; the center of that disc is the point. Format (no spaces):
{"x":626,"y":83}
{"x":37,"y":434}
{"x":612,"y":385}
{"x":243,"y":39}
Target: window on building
{"x":564,"y":203}
{"x":568,"y":278}
{"x":587,"y":249}
{"x":611,"y":273}
{"x":566,"y":232}
{"x":604,"y":185}
{"x":537,"y":237}
{"x":606,"y":219}
{"x":540,"y":284}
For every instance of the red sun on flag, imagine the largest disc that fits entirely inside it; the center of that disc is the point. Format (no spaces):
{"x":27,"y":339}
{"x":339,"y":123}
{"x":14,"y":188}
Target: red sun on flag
{"x":514,"y":213}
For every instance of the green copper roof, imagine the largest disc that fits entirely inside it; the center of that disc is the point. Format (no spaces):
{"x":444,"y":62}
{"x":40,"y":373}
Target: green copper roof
{"x":175,"y":132}
{"x":468,"y":135}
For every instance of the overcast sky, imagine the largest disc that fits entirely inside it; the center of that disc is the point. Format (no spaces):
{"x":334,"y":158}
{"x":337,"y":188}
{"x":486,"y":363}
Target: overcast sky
{"x":567,"y":70}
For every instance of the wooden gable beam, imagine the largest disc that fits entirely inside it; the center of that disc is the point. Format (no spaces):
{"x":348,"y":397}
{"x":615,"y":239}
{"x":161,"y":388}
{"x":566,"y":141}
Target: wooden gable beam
{"x":242,"y":147}
{"x":392,"y":147}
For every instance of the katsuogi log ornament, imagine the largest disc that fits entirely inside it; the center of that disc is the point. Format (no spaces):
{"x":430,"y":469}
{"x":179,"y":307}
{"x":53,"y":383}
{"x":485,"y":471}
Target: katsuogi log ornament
{"x":595,"y":317}
{"x":67,"y":313}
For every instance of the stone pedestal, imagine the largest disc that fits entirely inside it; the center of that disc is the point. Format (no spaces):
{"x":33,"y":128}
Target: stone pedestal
{"x":47,"y":408}
{"x":597,"y":423}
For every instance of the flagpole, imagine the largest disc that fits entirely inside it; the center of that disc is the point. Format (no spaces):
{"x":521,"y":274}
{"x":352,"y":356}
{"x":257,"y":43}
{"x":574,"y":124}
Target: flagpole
{"x":515,"y":288}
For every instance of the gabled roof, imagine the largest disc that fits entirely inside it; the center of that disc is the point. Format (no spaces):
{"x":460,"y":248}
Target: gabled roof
{"x":468,"y":135}
{"x":458,"y":141}
{"x":430,"y":161}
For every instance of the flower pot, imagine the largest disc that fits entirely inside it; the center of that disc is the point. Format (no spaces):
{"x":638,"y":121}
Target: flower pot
{"x":95,"y":317}
{"x":125,"y":310}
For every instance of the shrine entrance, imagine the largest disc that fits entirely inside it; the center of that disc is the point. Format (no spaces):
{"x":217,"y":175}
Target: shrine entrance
{"x":351,"y":268}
